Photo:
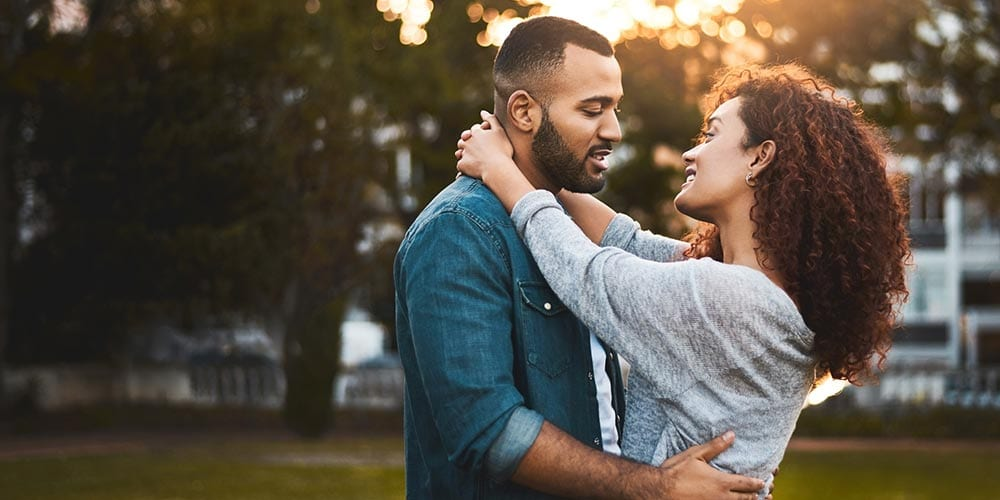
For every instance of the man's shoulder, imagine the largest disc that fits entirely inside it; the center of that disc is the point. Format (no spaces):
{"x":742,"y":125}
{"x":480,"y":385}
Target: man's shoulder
{"x":467,"y":198}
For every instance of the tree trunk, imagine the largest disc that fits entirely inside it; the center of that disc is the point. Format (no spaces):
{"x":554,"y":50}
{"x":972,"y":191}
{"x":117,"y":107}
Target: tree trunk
{"x":7,"y":237}
{"x":15,"y":12}
{"x":312,"y":360}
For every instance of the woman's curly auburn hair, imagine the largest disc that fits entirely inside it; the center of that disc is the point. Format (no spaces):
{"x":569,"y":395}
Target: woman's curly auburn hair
{"x":828,"y":215}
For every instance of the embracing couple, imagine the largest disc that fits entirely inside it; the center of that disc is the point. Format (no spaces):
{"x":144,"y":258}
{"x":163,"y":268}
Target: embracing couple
{"x":516,"y":291}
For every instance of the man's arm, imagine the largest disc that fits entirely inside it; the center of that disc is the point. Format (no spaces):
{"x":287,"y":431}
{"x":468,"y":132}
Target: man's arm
{"x":558,"y":464}
{"x":456,"y":295}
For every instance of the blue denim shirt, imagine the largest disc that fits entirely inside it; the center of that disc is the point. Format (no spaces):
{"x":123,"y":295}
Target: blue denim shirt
{"x":488,"y":351}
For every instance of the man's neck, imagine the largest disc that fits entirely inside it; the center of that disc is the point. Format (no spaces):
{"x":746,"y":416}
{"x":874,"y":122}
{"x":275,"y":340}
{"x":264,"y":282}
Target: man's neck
{"x":532,"y":173}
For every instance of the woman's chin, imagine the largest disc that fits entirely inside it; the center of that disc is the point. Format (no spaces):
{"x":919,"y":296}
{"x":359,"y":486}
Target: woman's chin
{"x":681,"y":203}
{"x":685,"y":207}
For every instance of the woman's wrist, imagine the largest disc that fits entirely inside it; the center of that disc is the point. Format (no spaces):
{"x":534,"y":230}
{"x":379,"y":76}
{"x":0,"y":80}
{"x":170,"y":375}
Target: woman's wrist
{"x":498,"y":169}
{"x":507,"y":182}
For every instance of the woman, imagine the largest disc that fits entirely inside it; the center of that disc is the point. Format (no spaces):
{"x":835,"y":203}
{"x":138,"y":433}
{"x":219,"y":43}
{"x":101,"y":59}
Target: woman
{"x":796,"y":273}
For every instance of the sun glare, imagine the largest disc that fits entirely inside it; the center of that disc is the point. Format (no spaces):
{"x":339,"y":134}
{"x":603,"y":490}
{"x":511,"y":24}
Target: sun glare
{"x":682,"y":24}
{"x":826,"y":389}
{"x":68,"y":16}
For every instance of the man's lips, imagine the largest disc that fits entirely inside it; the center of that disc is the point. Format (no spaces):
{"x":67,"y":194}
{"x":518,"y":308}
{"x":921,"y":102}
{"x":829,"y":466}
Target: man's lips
{"x":600,"y":155}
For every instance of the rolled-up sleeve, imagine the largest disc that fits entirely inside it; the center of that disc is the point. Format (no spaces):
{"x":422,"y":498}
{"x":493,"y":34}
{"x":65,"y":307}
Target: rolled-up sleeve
{"x":507,"y":450}
{"x":457,"y":299}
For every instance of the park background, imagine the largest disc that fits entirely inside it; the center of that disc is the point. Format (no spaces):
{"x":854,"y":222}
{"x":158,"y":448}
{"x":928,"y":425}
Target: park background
{"x":200,"y":202}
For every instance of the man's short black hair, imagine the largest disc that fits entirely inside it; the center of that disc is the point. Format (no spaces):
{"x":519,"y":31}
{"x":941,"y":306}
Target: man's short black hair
{"x":534,"y":50}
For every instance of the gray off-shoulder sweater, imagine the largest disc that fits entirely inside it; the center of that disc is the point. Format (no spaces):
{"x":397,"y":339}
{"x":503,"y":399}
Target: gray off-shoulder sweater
{"x":713,"y":346}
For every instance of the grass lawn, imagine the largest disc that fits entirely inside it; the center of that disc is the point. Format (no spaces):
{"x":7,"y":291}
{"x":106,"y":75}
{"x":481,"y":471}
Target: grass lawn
{"x":251,"y":468}
{"x":216,"y":470}
{"x":890,"y":475}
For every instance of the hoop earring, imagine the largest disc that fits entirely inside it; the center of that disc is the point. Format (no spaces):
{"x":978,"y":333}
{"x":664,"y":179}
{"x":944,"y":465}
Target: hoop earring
{"x":751,"y":180}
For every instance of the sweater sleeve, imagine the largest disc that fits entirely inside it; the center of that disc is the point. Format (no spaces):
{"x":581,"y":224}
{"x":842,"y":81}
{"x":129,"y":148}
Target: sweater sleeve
{"x":624,"y":232}
{"x":651,"y":312}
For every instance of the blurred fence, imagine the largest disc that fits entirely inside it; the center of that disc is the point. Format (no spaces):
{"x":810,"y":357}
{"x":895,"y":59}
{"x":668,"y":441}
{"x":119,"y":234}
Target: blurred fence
{"x":260,"y":385}
{"x":254,"y":384}
{"x":966,"y":388}
{"x":375,"y":384}
{"x":245,"y":382}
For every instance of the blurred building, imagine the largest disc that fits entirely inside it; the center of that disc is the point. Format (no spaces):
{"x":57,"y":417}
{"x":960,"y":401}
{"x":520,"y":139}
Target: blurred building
{"x":947,"y":350}
{"x":370,"y":377}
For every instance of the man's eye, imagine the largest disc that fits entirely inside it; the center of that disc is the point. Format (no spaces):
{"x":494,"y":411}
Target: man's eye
{"x":591,"y":112}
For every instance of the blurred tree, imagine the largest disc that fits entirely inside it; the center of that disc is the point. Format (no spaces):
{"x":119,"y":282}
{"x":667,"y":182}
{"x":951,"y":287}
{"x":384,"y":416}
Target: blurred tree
{"x":927,"y":70}
{"x":424,"y":96}
{"x":13,"y":17}
{"x":217,"y":161}
{"x":204,"y":161}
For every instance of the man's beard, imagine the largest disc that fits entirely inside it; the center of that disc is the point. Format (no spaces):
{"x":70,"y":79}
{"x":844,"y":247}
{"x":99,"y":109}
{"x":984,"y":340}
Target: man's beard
{"x":557,"y":162}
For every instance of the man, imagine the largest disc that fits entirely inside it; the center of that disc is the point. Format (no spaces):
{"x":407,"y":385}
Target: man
{"x":508,"y":395}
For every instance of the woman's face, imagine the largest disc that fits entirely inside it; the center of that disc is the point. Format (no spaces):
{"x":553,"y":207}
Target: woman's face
{"x":716,"y":169}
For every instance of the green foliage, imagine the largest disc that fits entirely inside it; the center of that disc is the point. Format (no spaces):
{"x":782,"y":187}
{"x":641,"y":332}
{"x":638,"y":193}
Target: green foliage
{"x":187,"y":162}
{"x":195,"y":162}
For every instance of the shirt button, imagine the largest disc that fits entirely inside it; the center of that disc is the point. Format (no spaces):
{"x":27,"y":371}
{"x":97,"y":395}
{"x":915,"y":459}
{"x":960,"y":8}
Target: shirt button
{"x":590,"y":375}
{"x":597,"y":441}
{"x":547,"y":306}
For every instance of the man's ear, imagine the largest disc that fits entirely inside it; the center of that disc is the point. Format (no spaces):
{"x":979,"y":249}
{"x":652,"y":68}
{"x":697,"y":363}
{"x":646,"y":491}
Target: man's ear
{"x":524,"y":113}
{"x":765,"y":155}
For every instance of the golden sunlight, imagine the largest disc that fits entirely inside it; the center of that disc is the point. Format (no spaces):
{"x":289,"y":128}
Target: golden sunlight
{"x":827,"y":388}
{"x":414,"y":15}
{"x":682,"y":24}
{"x":68,"y":16}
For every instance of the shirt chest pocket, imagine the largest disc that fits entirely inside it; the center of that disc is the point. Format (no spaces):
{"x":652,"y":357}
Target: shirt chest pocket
{"x":550,"y":331}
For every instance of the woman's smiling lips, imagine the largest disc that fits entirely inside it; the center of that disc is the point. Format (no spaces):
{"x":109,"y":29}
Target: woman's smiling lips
{"x":689,"y":174}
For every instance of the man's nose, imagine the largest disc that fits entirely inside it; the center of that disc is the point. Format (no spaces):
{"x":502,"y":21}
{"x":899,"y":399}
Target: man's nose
{"x":611,"y":129}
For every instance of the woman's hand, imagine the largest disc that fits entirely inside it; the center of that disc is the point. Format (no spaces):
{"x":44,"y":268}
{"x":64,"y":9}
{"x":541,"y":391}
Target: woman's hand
{"x":486,"y":153}
{"x":484,"y":148}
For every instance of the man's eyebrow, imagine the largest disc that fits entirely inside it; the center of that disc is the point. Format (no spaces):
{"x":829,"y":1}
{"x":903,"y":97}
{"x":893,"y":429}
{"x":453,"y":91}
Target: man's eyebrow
{"x":600,"y":99}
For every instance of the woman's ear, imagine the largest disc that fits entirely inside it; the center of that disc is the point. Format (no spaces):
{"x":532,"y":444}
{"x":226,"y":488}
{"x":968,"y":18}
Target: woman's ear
{"x":523,"y":112}
{"x":765,"y":155}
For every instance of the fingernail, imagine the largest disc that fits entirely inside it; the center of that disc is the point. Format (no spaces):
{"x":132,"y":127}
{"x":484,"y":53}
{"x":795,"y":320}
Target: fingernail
{"x":729,"y":436}
{"x":483,"y":113}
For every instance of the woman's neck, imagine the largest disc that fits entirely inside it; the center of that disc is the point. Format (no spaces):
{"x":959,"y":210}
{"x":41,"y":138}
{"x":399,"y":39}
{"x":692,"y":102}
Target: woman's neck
{"x":739,"y":247}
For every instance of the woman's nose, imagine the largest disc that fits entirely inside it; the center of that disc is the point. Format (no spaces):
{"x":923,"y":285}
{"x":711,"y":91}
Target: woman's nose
{"x":689,"y":155}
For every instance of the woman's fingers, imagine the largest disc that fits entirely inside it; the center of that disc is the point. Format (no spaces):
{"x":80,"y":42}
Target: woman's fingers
{"x":490,"y":119}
